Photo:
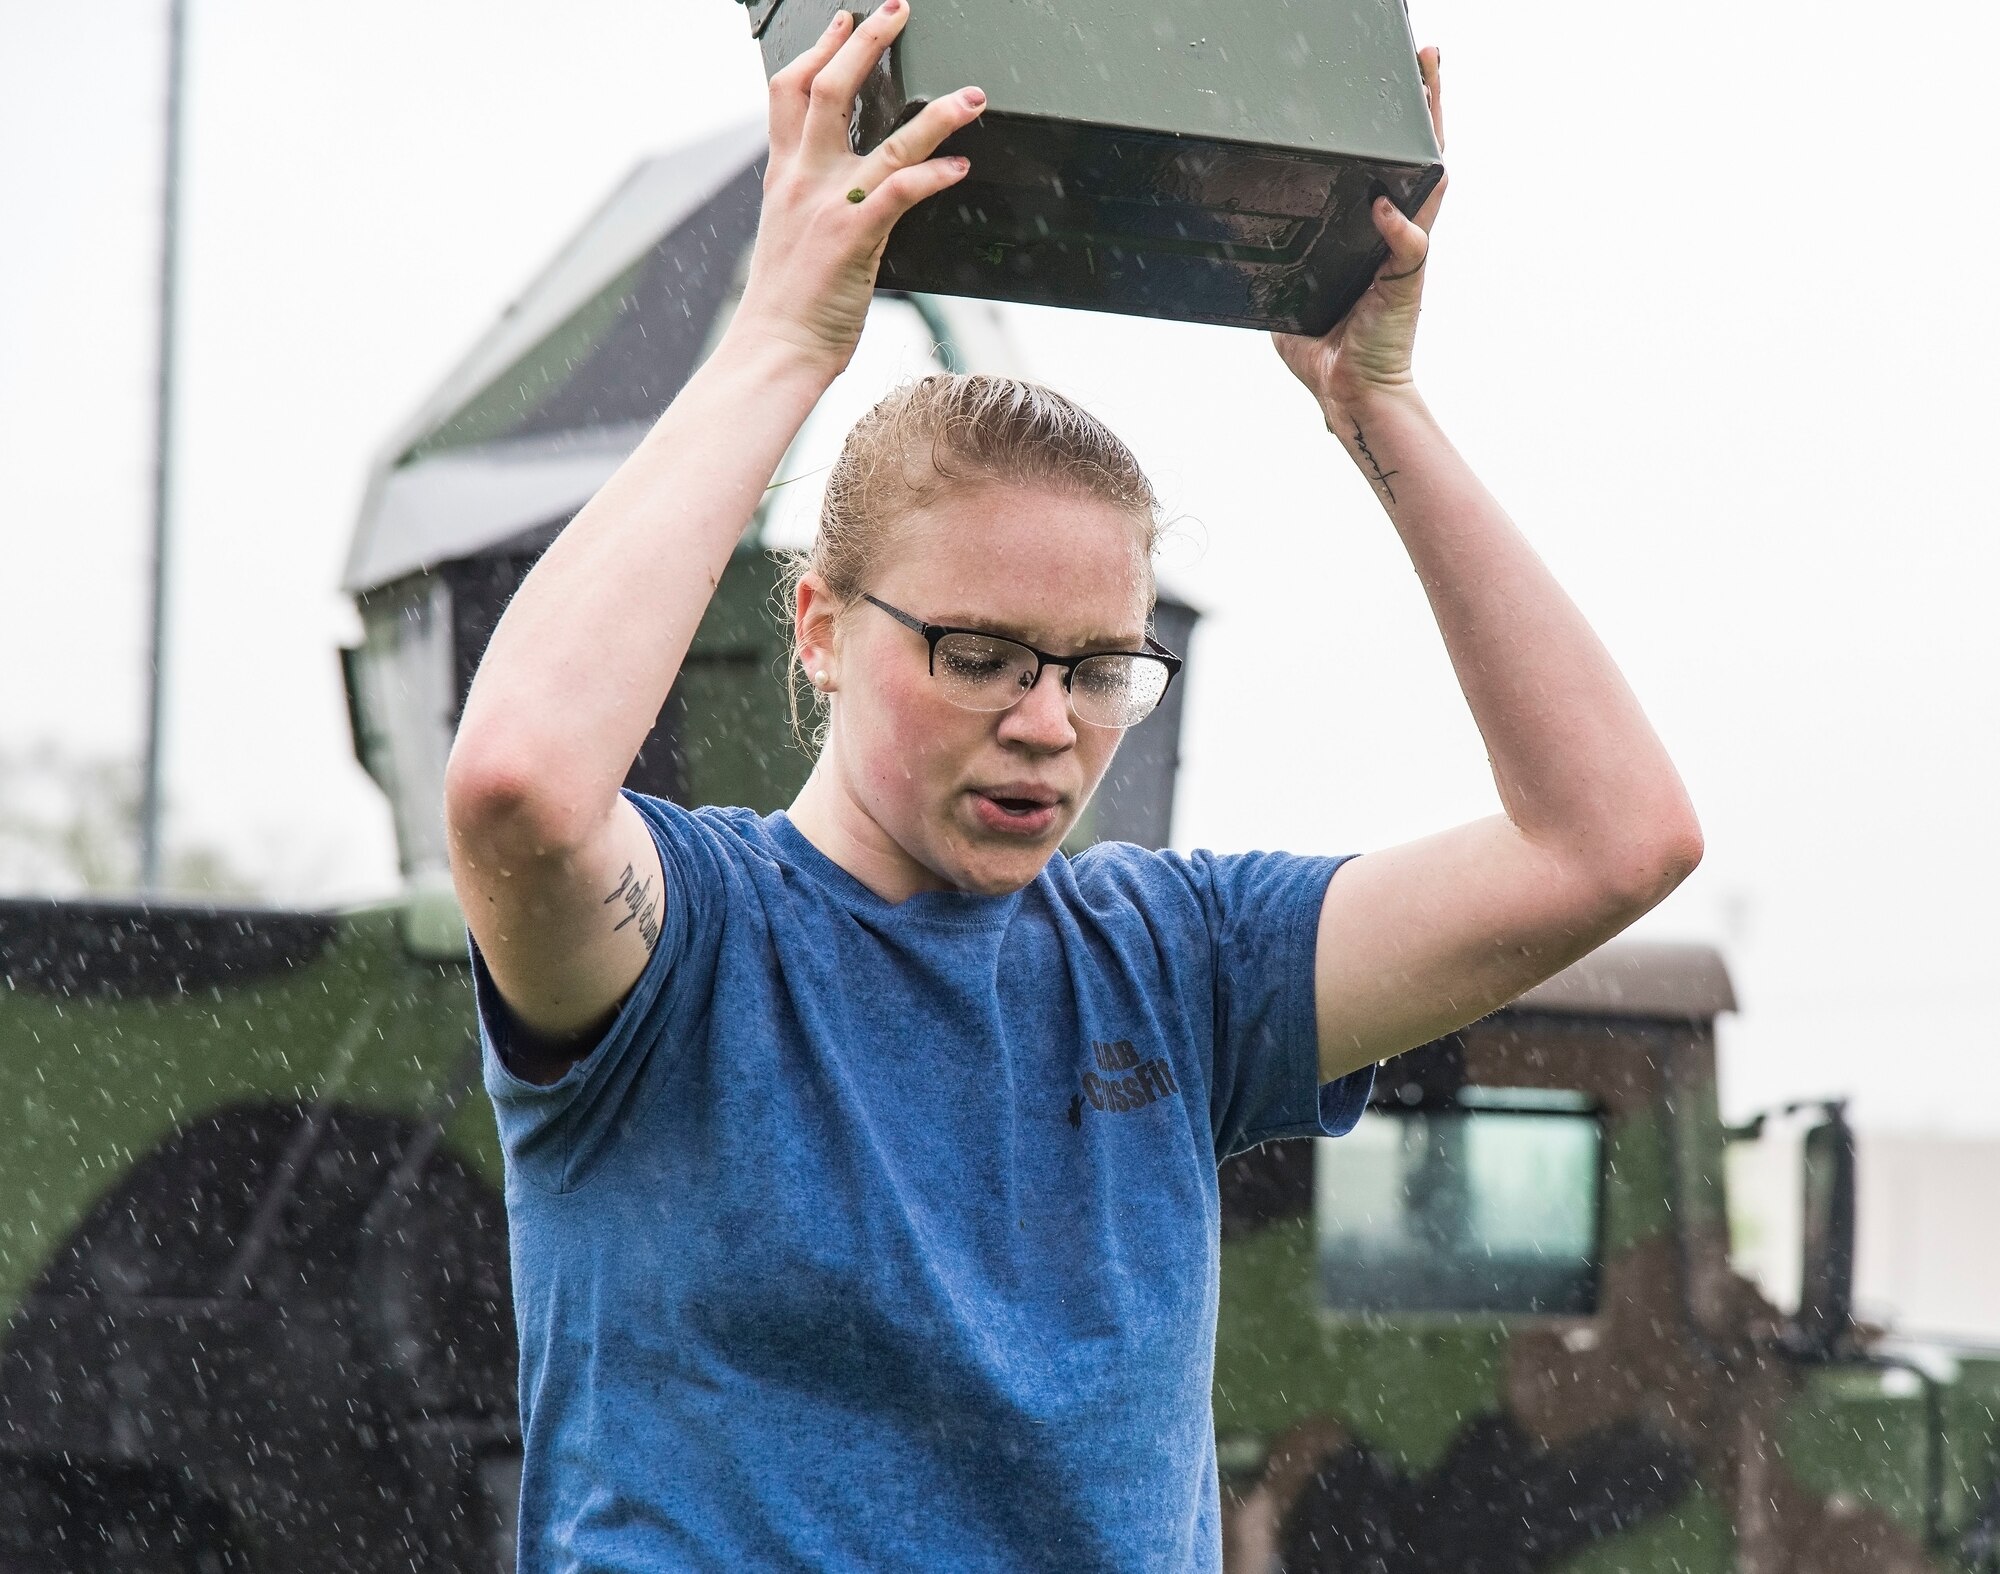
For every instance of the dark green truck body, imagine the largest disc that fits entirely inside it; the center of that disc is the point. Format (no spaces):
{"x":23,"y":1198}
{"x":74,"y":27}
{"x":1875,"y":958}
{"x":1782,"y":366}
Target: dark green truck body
{"x":1607,"y":1394}
{"x":253,"y":1261}
{"x":253,"y":1253}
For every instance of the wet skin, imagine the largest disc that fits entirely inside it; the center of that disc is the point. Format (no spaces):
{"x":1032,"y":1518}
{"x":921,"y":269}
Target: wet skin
{"x":913,"y":793}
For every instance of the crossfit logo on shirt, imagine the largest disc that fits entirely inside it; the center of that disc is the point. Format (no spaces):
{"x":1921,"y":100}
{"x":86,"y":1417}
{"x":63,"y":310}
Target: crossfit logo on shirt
{"x":1116,"y":1093}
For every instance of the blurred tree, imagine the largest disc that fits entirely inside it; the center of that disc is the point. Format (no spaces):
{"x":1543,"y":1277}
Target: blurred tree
{"x":69,"y":826}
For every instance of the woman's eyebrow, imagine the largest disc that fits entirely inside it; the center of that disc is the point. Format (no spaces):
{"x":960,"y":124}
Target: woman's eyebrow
{"x":1090,"y":645}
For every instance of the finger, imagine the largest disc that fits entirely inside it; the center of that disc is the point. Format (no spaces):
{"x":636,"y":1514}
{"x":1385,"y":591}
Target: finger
{"x":1430,"y":61}
{"x":791,"y":88}
{"x":838,"y":82}
{"x":917,"y":140}
{"x":1409,"y":246}
{"x":903,"y":190}
{"x":1426,"y":219}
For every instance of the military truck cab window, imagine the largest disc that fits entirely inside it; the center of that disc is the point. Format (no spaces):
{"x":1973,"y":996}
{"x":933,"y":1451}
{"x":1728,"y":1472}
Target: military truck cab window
{"x":1488,"y":1204}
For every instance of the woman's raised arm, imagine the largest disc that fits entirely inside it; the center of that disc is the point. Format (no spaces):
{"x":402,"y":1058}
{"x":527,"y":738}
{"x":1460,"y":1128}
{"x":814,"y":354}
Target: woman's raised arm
{"x":581,"y":663}
{"x":1420,"y":939}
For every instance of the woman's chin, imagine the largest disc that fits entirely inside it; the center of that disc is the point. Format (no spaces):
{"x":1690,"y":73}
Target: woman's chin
{"x":994,"y":882}
{"x":994,"y":866}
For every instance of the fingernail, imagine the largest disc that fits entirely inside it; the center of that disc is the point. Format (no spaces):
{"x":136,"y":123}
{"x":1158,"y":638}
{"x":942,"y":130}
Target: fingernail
{"x":839,"y":21}
{"x":891,"y":7}
{"x":975,"y":97}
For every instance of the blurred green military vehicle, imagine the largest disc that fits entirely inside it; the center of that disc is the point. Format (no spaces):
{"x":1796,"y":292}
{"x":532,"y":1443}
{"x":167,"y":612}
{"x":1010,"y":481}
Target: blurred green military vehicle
{"x":1497,"y":1327}
{"x":253,"y":1254}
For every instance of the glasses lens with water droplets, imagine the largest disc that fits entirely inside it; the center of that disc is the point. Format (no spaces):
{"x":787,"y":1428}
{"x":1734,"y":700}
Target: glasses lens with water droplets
{"x":981,"y":672}
{"x":1116,"y":690}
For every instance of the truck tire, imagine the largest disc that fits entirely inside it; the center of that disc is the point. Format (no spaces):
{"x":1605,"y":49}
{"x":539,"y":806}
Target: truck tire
{"x":305,"y":1307}
{"x":65,"y":1521}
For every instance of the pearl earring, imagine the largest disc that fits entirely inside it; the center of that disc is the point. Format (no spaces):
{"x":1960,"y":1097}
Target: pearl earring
{"x":819,"y":679}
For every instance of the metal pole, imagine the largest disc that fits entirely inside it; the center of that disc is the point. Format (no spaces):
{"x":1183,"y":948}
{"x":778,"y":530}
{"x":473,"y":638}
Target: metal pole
{"x":163,"y":429}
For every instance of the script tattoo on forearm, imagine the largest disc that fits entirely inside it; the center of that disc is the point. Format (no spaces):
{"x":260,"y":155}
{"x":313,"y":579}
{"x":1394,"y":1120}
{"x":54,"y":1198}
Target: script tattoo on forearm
{"x":641,"y":904}
{"x":1381,"y":475}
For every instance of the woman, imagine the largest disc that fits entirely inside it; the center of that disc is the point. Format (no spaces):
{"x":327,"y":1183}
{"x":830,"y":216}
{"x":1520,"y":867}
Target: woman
{"x":861,"y":1159}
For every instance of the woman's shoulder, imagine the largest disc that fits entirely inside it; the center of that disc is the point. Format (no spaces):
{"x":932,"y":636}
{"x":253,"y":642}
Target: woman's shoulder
{"x":711,"y":834}
{"x":1128,"y":864}
{"x":742,"y":851}
{"x":1213,"y":884}
{"x":1108,"y":872}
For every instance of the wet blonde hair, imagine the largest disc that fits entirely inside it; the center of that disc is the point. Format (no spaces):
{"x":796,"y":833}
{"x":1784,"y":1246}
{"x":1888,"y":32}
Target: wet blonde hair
{"x":934,"y":436}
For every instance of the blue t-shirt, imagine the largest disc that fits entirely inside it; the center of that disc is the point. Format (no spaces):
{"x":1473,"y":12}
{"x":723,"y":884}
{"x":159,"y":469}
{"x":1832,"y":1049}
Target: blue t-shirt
{"x":885,"y":1236}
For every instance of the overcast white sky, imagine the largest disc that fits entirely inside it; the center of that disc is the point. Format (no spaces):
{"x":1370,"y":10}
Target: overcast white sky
{"x":1712,"y":311}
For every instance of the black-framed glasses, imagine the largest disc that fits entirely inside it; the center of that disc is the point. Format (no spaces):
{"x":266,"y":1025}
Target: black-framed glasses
{"x":981,"y":671}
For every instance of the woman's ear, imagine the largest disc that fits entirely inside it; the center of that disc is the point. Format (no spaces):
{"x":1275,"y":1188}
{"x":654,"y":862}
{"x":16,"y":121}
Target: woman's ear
{"x":814,"y":611}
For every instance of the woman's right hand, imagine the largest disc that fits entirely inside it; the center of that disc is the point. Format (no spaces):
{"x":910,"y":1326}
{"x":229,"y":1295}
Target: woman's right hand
{"x":827,"y":211}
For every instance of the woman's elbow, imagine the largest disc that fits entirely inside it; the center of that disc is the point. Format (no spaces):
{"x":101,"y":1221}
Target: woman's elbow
{"x":493,"y":798}
{"x":1652,"y":862}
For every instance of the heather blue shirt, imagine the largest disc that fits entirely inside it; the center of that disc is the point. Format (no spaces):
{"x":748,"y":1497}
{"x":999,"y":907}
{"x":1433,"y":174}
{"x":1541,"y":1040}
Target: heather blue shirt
{"x":885,"y":1236}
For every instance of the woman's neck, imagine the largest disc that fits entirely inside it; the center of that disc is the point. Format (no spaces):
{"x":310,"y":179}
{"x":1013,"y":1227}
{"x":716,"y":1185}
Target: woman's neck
{"x":827,"y":814}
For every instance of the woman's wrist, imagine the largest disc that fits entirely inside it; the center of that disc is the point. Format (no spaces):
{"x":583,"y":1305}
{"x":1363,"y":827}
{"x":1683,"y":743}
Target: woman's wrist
{"x":1392,"y":401}
{"x":769,"y":350}
{"x":1390,"y":435}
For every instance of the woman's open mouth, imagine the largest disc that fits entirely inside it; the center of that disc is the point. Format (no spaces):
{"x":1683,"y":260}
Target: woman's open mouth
{"x":1015,"y":815}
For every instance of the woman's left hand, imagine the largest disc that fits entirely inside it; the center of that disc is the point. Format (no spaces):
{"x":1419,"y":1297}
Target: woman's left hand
{"x":1368,"y":351}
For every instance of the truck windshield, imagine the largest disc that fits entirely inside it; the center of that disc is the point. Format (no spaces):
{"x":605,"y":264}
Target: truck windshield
{"x":1492,"y":1206}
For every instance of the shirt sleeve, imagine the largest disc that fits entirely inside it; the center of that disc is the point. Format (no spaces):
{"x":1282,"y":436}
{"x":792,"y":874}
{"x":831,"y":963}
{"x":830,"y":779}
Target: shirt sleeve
{"x":552,"y":1133}
{"x":1263,"y":912}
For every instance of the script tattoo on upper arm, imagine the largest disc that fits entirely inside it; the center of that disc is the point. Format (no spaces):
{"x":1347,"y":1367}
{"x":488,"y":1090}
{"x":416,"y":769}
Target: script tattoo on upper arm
{"x":1374,"y":464}
{"x":642,"y":904}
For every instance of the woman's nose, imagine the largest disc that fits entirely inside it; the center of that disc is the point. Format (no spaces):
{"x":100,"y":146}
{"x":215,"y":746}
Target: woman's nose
{"x":1041,"y":715}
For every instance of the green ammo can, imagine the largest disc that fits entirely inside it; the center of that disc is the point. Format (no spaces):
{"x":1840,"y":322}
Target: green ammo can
{"x":1165,"y":158}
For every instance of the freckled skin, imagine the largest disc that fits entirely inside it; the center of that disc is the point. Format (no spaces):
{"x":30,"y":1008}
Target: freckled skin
{"x":891,"y":798}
